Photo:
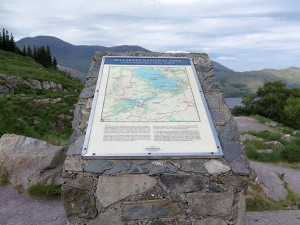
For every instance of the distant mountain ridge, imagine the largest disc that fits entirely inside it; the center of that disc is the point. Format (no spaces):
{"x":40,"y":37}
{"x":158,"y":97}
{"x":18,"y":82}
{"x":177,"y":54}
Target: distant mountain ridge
{"x":235,"y":84}
{"x":77,"y":57}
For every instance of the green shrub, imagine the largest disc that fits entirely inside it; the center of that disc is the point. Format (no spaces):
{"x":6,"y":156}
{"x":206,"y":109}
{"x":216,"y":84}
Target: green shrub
{"x":251,"y":148}
{"x":3,"y":179}
{"x":267,"y":135}
{"x":261,"y":204}
{"x":291,"y":152}
{"x":45,"y":191}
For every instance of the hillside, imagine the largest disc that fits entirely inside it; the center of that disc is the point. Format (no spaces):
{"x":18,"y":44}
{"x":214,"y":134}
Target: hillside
{"x":77,"y":57}
{"x":35,"y":101}
{"x":235,"y":84}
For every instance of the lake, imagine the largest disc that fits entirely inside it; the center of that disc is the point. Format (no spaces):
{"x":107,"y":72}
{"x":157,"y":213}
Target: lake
{"x":232,"y":102}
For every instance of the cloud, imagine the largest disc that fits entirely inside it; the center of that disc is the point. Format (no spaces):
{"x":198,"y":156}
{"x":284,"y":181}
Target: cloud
{"x":255,"y":33}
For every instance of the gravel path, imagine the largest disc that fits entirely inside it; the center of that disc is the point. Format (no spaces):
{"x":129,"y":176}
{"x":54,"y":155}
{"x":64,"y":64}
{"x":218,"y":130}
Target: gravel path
{"x":289,"y":217}
{"x":247,"y":123}
{"x":291,"y":176}
{"x":21,"y":210}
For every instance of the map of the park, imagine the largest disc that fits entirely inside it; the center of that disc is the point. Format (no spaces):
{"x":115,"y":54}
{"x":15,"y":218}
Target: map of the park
{"x":149,"y":94}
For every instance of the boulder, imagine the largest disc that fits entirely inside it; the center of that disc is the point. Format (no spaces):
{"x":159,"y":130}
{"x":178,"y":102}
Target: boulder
{"x":245,"y":137}
{"x":274,"y":144}
{"x":6,"y":89}
{"x":14,"y":80}
{"x":265,"y":151}
{"x":288,"y":137}
{"x":29,"y":161}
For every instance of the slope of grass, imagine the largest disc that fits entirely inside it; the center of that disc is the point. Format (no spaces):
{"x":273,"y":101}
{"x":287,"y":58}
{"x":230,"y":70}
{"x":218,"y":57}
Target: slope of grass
{"x":41,"y":114}
{"x":13,"y":64}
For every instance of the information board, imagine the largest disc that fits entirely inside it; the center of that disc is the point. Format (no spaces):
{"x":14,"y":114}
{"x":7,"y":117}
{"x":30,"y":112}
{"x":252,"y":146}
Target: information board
{"x":149,"y":107}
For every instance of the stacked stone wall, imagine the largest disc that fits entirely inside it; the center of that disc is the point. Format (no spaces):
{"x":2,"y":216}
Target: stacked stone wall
{"x":196,"y":191}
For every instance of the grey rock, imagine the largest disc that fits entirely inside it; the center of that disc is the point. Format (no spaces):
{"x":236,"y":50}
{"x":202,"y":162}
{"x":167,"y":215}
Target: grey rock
{"x":88,"y":92}
{"x":77,"y":116}
{"x":73,"y":164}
{"x":232,"y":151}
{"x":79,"y":202}
{"x":215,"y":167}
{"x":113,"y":189}
{"x":229,"y":132}
{"x":150,"y":210}
{"x":241,"y":205}
{"x":217,"y":115}
{"x":76,"y":147}
{"x":171,"y":169}
{"x":5,"y":89}
{"x":272,"y":124}
{"x":110,"y":217}
{"x":265,"y":151}
{"x":35,"y":84}
{"x":46,"y":85}
{"x":274,"y":144}
{"x":141,"y":162}
{"x":296,"y":132}
{"x":210,"y":204}
{"x":193,"y":166}
{"x":81,"y":183}
{"x":14,"y":80}
{"x":98,"y":166}
{"x":53,"y":86}
{"x":29,"y":161}
{"x":288,"y":137}
{"x":213,"y":102}
{"x":158,"y":222}
{"x":239,"y":167}
{"x":210,"y":221}
{"x":234,"y":181}
{"x":184,"y":183}
{"x":139,"y":169}
{"x":158,"y":169}
{"x":122,"y":165}
{"x":213,"y":187}
{"x":245,"y":137}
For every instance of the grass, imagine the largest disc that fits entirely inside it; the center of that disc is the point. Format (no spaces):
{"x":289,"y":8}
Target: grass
{"x":257,"y":200}
{"x":25,"y":112}
{"x":3,"y":179}
{"x":289,"y":153}
{"x":251,"y":147}
{"x":13,"y":64}
{"x":267,"y":135}
{"x":50,"y":191}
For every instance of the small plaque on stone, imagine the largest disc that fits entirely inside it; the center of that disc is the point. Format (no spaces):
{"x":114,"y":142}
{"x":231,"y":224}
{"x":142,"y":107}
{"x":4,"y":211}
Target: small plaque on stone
{"x":149,"y":107}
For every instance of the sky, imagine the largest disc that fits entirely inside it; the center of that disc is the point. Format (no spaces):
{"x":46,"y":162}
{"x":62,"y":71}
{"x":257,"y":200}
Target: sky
{"x":240,"y":34}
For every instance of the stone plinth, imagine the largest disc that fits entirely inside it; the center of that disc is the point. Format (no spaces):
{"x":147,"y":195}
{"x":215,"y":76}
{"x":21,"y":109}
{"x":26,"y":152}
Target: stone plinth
{"x":157,"y":192}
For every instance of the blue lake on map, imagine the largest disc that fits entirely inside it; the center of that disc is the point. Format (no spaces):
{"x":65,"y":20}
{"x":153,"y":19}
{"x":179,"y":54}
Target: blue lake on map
{"x":158,"y":79}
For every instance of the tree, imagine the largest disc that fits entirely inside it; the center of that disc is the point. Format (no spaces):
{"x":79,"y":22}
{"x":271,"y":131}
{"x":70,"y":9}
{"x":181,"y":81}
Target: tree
{"x":7,"y":42}
{"x":292,"y":112}
{"x":54,"y":63}
{"x":272,"y":97}
{"x":24,"y":51}
{"x":11,"y":44}
{"x":29,"y":51}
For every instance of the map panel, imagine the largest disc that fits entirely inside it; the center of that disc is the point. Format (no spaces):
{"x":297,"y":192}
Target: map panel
{"x":149,"y":107}
{"x":148,"y":94}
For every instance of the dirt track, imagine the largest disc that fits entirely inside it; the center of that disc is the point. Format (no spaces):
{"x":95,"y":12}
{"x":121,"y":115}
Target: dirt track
{"x":21,"y":210}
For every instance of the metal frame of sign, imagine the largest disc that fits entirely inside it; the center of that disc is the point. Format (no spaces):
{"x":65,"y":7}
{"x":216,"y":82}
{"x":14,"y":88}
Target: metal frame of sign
{"x":151,"y":150}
